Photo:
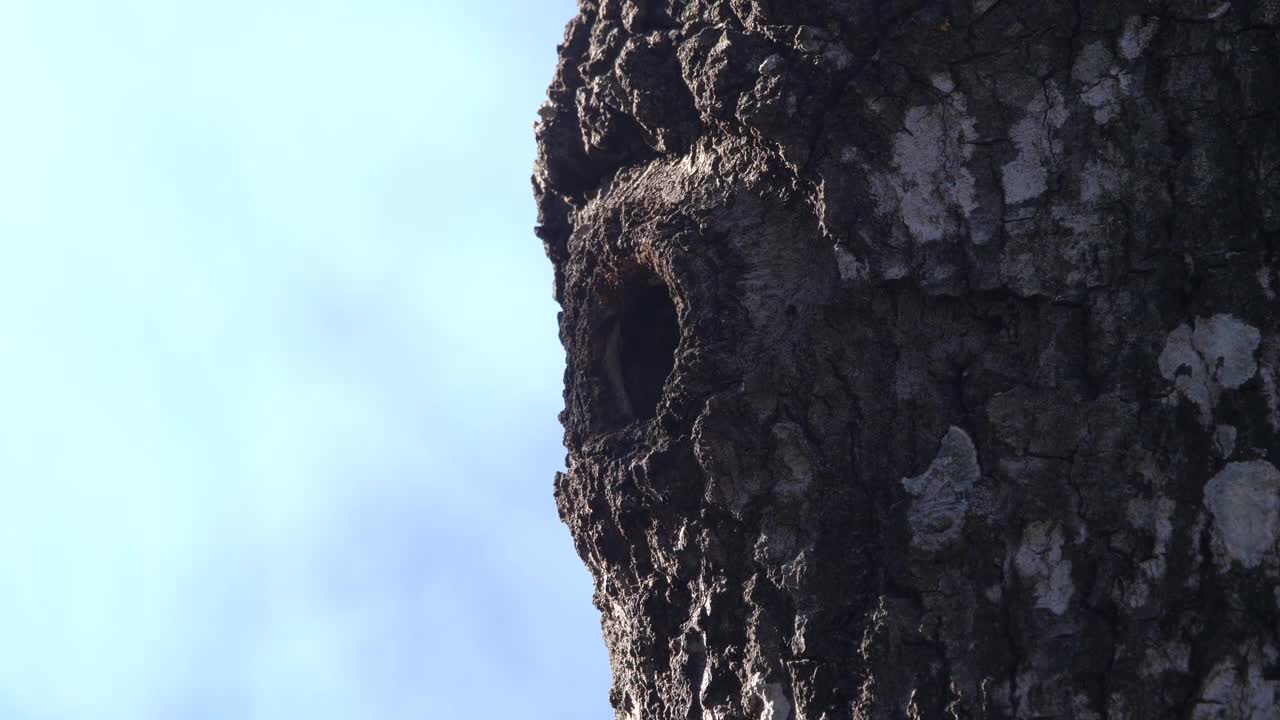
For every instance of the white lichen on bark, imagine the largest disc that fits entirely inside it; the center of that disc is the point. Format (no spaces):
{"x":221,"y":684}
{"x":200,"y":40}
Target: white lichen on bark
{"x":942,"y":492}
{"x":1244,"y":499}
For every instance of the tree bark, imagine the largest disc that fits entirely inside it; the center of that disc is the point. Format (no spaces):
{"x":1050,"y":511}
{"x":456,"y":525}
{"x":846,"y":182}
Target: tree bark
{"x":922,"y":356}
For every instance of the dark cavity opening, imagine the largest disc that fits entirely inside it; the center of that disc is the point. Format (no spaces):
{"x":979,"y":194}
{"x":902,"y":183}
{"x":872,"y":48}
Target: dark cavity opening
{"x":647,"y":334}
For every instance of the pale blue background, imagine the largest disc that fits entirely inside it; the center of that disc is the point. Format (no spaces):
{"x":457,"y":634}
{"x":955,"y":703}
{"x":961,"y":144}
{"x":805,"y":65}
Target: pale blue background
{"x":280,"y":367}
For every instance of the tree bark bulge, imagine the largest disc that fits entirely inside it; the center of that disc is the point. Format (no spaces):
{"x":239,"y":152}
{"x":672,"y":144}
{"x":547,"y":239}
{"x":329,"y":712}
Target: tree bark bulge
{"x":923,"y":357}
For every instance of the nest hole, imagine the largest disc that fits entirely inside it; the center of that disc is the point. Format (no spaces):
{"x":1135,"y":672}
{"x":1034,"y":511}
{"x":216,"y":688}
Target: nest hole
{"x":642,"y":350}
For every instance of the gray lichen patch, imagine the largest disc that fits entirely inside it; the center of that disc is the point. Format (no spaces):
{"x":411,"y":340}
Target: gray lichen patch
{"x":1137,"y":35}
{"x":1098,"y":81}
{"x":1092,"y":63}
{"x":943,"y":82}
{"x":1244,"y":499}
{"x":1224,"y":440}
{"x":1039,"y":560}
{"x":1026,"y":177}
{"x":1237,"y":688}
{"x":1218,"y":354}
{"x":942,"y":492}
{"x":932,"y":189}
{"x":1153,"y":517}
{"x":1172,"y":657}
{"x":1104,"y":97}
{"x":1269,"y":372}
{"x":851,"y":267}
{"x":1265,"y":275}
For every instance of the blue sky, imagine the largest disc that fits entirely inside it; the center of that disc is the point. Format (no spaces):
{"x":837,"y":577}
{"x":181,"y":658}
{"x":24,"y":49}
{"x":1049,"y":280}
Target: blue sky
{"x":281,"y":374}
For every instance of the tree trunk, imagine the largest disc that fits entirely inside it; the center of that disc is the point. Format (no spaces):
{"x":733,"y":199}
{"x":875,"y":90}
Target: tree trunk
{"x":922,"y":357}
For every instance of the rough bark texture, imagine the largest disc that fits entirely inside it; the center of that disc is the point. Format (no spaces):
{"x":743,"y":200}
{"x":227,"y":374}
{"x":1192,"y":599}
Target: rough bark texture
{"x":922,"y":357}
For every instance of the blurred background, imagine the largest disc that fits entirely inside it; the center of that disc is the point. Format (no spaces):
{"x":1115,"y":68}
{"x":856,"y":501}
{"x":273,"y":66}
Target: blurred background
{"x":281,"y":372}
